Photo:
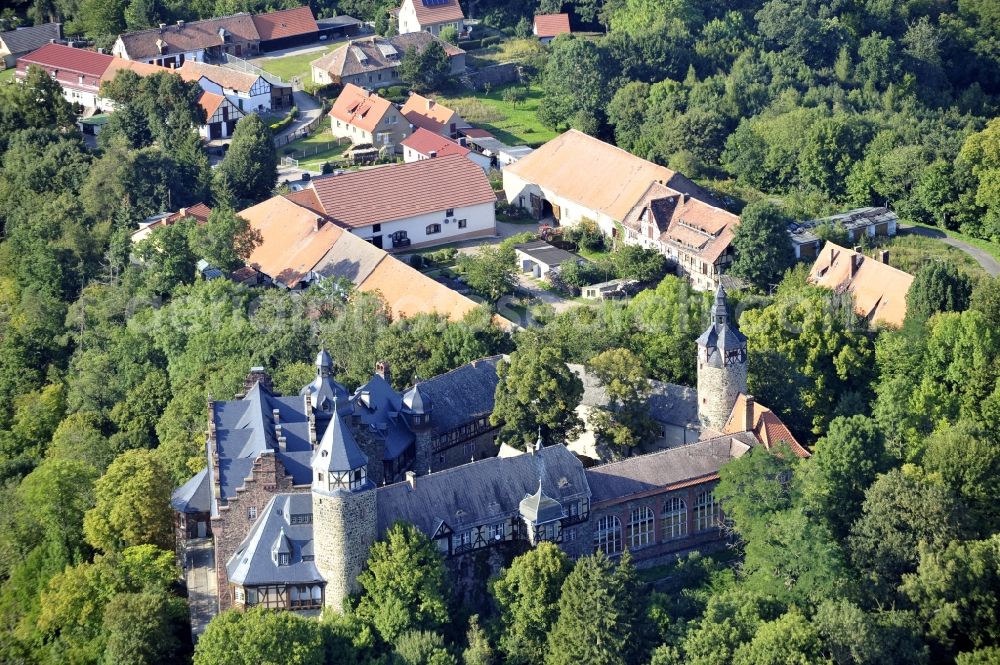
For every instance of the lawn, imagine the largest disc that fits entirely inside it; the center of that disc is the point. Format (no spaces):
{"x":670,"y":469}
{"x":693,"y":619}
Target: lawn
{"x":909,"y":252}
{"x":296,"y":64}
{"x":511,"y":50}
{"x":6,"y":75}
{"x":514,"y":125}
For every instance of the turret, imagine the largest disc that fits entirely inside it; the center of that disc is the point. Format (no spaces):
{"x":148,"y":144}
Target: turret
{"x":417,"y":407}
{"x":722,"y":366}
{"x":324,"y":391}
{"x":344,"y":510}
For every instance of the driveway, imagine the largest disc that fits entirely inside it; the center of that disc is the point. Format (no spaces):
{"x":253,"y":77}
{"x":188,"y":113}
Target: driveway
{"x":559,"y":304}
{"x":199,"y":571}
{"x":983,"y":258}
{"x":309,"y":109}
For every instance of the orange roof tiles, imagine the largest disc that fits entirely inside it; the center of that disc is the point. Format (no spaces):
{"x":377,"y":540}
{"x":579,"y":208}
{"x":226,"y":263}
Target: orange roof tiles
{"x":425,"y":142}
{"x":878,"y":289}
{"x":293,"y":239}
{"x":140,"y":68}
{"x":550,"y":25}
{"x":420,"y":111}
{"x":285,"y":23}
{"x":223,"y":76}
{"x":408,"y":292}
{"x":429,"y":13}
{"x":210,"y":102}
{"x":400,"y":191}
{"x":594,"y":174}
{"x":765,"y":425}
{"x":356,"y":106}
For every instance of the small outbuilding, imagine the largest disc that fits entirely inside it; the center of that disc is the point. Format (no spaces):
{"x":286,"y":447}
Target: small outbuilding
{"x":539,"y":258}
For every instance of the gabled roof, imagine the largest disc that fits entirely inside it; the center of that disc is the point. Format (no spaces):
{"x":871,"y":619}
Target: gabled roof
{"x":140,"y":68}
{"x":424,"y":143}
{"x":408,"y":292}
{"x":254,"y":564}
{"x":421,"y":111}
{"x":430,"y":12}
{"x":672,"y":468}
{"x":765,"y":425}
{"x":69,"y":59}
{"x":596,"y":175}
{"x":191,"y":36}
{"x":683,"y":221}
{"x":23,"y":40}
{"x":223,"y":76}
{"x":372,"y":54}
{"x":285,"y":23}
{"x":878,"y":289}
{"x":194,"y":496}
{"x":211,"y":103}
{"x":550,"y":25}
{"x":463,"y":394}
{"x":402,"y":191}
{"x":356,"y":106}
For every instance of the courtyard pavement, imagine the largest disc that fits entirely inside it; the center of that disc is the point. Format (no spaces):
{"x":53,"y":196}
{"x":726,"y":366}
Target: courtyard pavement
{"x":199,"y":571}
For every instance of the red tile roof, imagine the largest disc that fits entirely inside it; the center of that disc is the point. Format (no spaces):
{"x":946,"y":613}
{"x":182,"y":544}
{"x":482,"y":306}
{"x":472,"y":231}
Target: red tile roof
{"x":425,"y":142}
{"x":435,"y":11}
{"x":550,"y":25}
{"x":285,"y":23}
{"x":765,"y":426}
{"x":210,"y":102}
{"x":420,"y":111}
{"x":400,"y":191}
{"x":878,"y":289}
{"x":475,"y":133}
{"x":199,"y":211}
{"x":68,"y":59}
{"x":356,"y":106}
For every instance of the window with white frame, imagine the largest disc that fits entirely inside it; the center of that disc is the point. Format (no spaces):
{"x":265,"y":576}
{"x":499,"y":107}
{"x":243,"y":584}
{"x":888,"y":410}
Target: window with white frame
{"x":252,"y":513}
{"x":640,"y":527}
{"x":706,"y":511}
{"x":608,"y":535}
{"x":674,"y":522}
{"x":238,"y":594}
{"x":462,"y":223}
{"x":496,"y":531}
{"x":450,"y":212}
{"x":432,"y":229}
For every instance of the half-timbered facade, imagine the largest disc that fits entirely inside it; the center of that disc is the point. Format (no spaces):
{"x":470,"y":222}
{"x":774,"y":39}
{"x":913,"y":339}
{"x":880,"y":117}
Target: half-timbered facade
{"x":221,"y":116}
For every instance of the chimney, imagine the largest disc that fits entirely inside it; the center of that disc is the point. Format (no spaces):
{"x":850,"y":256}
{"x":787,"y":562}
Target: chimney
{"x":883,"y":256}
{"x":180,"y":24}
{"x":382,"y":369}
{"x":411,"y":479}
{"x":430,"y":104}
{"x":319,"y":222}
{"x":833,"y":255}
{"x":748,"y":414}
{"x":163,"y":26}
{"x":856,"y":260}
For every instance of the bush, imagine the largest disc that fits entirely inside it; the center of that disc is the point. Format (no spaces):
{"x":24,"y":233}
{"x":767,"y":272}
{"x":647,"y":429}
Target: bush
{"x":287,"y":120}
{"x":587,"y":235}
{"x":492,"y":40}
{"x":327,"y":168}
{"x":416,"y":261}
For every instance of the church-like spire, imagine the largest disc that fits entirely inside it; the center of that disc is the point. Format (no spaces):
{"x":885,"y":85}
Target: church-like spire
{"x":720,"y":311}
{"x":338,"y":462}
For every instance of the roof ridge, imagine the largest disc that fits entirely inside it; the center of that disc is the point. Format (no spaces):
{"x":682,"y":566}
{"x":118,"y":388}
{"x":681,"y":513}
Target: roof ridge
{"x":186,"y":24}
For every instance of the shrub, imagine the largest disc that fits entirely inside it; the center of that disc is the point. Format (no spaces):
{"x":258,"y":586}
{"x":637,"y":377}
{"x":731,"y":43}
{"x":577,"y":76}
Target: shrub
{"x":492,"y":40}
{"x":416,"y":261}
{"x":327,"y":168}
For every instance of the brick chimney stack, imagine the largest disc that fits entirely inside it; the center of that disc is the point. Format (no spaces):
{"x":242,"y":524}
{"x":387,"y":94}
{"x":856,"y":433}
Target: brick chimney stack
{"x":748,"y":414}
{"x":382,"y":369}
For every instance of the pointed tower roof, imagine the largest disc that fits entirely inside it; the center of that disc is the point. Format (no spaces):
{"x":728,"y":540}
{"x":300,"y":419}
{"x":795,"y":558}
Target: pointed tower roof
{"x":338,"y":451}
{"x":323,"y":392}
{"x":720,"y":333}
{"x":416,"y":400}
{"x":539,"y":508}
{"x":323,"y":359}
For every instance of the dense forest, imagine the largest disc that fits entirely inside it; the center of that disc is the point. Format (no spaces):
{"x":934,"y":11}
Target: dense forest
{"x":882,"y":547}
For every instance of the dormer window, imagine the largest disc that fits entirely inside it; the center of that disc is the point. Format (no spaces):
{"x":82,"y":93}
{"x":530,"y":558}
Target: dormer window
{"x":282,"y":559}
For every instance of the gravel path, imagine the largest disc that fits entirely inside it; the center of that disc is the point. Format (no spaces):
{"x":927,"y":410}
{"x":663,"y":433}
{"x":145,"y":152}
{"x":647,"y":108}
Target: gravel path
{"x":983,"y":258}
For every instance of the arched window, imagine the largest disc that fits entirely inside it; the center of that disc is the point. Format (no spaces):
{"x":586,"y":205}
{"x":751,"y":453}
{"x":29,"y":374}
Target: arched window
{"x":608,"y":535}
{"x":640,"y":527}
{"x":706,"y":512}
{"x":674,"y":518}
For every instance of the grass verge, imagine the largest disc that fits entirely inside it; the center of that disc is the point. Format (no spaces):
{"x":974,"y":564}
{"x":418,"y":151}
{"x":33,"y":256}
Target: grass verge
{"x":514,"y":124}
{"x":297,"y":64}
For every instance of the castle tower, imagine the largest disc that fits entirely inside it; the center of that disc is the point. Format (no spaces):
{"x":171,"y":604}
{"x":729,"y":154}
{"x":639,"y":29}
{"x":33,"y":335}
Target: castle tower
{"x":722,"y":366}
{"x":344,"y":513}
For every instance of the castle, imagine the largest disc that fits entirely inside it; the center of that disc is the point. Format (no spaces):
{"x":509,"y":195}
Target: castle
{"x":294,"y":514}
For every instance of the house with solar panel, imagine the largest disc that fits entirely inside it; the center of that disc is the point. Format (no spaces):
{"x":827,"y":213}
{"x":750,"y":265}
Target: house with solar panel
{"x":297,"y":488}
{"x":431,"y":16}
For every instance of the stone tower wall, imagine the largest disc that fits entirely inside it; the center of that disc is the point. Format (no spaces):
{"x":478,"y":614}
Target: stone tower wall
{"x":344,"y":529}
{"x":373,"y":447}
{"x":718,"y":388}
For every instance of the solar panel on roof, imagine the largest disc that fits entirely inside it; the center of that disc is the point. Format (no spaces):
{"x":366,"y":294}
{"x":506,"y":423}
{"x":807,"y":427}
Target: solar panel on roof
{"x":435,"y":3}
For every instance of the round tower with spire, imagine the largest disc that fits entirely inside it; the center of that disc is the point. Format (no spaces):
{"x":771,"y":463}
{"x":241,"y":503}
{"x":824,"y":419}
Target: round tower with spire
{"x":345,"y":521}
{"x":722,"y":366}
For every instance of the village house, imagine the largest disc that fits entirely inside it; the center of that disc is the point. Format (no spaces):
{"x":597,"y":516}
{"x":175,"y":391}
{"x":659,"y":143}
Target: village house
{"x":221,"y":116}
{"x":427,"y":114}
{"x":300,"y":245}
{"x":363,"y":117}
{"x":77,"y":71}
{"x":286,"y":28}
{"x":22,"y":41}
{"x":251,"y":93}
{"x":549,"y":26}
{"x":422,"y":144}
{"x":430,"y":16}
{"x":695,"y":236}
{"x":872,"y":222}
{"x":207,"y":40}
{"x":298,"y":488}
{"x":407,"y":206}
{"x":199,"y":212}
{"x":486,"y":144}
{"x":878,"y":290}
{"x":373,"y":62}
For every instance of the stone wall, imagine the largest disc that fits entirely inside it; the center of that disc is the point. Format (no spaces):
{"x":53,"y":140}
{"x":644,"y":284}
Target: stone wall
{"x":718,"y":389}
{"x":233,"y":523}
{"x":372,"y":446}
{"x":344,"y":529}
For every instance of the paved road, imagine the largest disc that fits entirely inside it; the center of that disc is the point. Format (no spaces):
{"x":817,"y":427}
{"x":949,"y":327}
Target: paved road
{"x":201,"y":584}
{"x":989,"y":264}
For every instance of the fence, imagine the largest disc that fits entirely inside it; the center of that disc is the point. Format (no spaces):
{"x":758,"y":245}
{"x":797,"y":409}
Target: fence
{"x":293,"y":159}
{"x":239,"y":64}
{"x":301,"y":132}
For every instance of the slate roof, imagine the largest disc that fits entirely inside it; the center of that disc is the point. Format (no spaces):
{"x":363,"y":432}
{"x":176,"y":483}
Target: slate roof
{"x":550,"y":25}
{"x":402,"y":191}
{"x":545,"y":253}
{"x":596,"y":175}
{"x":338,"y":450}
{"x":194,"y":496}
{"x":369,"y":54}
{"x":683,"y":221}
{"x":192,"y":36}
{"x":285,"y":23}
{"x":481,"y":492}
{"x":668,"y":468}
{"x":668,"y":402}
{"x":721,"y":336}
{"x":539,"y":508}
{"x":24,"y":40}
{"x":253,"y":563}
{"x":430,"y":12}
{"x":463,"y":394}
